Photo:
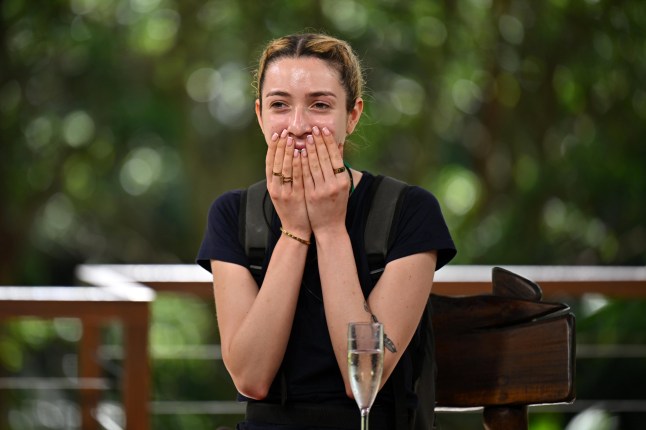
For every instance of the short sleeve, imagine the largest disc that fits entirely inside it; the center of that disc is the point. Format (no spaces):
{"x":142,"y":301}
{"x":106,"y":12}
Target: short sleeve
{"x":221,"y":240}
{"x":421,"y":228}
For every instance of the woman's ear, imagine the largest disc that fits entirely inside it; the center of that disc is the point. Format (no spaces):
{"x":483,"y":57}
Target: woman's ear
{"x":259,"y":113}
{"x":354,"y":115}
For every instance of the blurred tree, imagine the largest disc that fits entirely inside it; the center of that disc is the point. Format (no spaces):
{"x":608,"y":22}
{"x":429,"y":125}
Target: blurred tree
{"x":121,"y":120}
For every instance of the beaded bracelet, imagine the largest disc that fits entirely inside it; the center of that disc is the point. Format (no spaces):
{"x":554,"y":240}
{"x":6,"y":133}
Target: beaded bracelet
{"x":288,"y":234}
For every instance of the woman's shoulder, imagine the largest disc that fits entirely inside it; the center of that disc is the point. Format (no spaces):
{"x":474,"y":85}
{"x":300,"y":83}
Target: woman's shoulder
{"x":416,"y":194}
{"x":225,"y":206}
{"x":227,"y":200}
{"x":220,"y":240}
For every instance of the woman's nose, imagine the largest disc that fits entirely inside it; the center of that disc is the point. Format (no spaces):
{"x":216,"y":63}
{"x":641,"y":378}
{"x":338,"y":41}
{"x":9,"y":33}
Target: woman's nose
{"x":298,"y":124}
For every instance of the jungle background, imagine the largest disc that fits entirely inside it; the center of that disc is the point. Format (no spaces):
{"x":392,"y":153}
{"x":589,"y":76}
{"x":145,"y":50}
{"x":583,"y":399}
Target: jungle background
{"x":122,"y":120}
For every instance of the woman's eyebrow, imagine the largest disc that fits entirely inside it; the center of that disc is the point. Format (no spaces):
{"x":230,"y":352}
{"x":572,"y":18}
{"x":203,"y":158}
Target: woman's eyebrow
{"x":277,"y":93}
{"x":281,"y":93}
{"x":322,"y":94}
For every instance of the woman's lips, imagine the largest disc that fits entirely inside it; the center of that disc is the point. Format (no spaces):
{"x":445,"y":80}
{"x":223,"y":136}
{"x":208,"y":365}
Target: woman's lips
{"x":299,"y":143}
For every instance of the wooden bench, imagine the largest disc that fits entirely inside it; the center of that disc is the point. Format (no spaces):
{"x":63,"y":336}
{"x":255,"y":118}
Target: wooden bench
{"x":122,"y":301}
{"x":503,"y":351}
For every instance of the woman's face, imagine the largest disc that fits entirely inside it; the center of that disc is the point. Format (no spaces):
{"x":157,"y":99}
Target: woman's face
{"x":300,"y":93}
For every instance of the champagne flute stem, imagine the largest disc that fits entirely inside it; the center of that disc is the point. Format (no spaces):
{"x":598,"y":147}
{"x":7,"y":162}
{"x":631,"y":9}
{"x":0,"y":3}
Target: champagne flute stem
{"x":364,"y":419}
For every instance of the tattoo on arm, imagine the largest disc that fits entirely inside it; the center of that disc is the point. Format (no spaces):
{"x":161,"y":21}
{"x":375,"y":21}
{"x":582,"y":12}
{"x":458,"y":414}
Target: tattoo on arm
{"x":390,"y":346}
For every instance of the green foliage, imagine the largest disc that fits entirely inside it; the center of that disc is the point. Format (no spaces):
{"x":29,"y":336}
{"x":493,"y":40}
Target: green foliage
{"x":122,"y":120}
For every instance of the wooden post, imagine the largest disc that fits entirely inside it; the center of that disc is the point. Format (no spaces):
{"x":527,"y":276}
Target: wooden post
{"x":136,"y":375}
{"x":89,"y":368}
{"x":505,"y":418}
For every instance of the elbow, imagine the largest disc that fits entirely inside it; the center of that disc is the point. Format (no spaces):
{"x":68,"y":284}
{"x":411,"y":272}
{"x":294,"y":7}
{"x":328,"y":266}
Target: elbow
{"x":251,"y":385}
{"x":253,"y":390}
{"x":348,"y":390}
{"x":251,"y":381}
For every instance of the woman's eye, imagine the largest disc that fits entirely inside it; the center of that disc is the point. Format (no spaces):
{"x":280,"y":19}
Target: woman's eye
{"x":277,"y":105}
{"x":321,"y":105}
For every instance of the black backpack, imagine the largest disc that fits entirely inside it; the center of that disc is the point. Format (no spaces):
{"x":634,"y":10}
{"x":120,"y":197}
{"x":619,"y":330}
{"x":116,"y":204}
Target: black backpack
{"x":387,"y":195}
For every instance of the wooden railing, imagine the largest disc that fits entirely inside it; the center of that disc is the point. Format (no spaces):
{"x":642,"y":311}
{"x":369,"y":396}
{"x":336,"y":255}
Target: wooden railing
{"x":136,"y":286}
{"x":121,"y":300}
{"x":555,"y":281}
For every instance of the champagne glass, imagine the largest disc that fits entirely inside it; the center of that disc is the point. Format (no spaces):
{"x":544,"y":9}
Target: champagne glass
{"x":365,"y":364}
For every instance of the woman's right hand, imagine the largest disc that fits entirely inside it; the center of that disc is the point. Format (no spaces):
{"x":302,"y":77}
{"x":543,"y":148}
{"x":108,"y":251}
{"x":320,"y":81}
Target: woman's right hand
{"x":282,"y":163}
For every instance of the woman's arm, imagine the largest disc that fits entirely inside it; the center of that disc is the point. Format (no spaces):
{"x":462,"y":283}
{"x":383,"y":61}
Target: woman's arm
{"x":400,"y":296}
{"x":398,"y":299}
{"x":254,"y":323}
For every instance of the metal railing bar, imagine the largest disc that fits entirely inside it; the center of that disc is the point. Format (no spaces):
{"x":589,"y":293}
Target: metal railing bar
{"x":612,"y":406}
{"x":234,"y":408}
{"x":610,"y":351}
{"x":214,"y":407}
{"x":167,"y":352}
{"x":214,"y":352}
{"x":31,"y":383}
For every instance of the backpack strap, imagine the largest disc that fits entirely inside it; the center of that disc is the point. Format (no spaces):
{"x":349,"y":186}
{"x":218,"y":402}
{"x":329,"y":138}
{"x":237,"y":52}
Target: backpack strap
{"x":381,"y":223}
{"x":425,"y":373}
{"x":381,"y":229}
{"x":255,"y":215}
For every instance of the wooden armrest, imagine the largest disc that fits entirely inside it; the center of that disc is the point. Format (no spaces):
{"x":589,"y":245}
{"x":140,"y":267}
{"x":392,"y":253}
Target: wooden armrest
{"x":507,"y":349}
{"x":460,"y":314}
{"x":525,"y":364}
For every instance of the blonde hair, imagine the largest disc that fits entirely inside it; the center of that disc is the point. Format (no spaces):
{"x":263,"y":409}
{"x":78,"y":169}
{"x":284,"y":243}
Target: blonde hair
{"x":337,"y":53}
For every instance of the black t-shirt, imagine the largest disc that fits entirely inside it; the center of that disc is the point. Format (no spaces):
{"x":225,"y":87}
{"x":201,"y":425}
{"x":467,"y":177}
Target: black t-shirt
{"x":309,"y":367}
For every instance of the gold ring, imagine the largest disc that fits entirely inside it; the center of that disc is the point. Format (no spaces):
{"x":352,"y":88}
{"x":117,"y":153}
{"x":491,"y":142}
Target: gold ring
{"x":277,"y":174}
{"x":287,"y":179}
{"x":339,"y":170}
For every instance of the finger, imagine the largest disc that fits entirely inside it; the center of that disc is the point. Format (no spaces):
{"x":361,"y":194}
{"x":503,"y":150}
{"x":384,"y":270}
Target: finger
{"x":279,"y":157}
{"x":288,"y":160}
{"x":322,"y":152}
{"x":336,"y":158}
{"x":271,"y":154}
{"x":308,"y":180}
{"x":313,"y":161}
{"x":297,"y":172}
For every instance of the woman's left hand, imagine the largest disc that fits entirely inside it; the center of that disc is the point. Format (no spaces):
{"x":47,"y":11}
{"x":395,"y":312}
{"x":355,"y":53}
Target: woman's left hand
{"x":326,"y":192}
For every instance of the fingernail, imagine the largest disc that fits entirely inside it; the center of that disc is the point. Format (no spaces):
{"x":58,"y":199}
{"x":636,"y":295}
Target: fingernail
{"x":316,"y":130}
{"x":274,"y":137}
{"x":296,"y":153}
{"x":284,"y":133}
{"x":310,"y":140}
{"x":290,"y":141}
{"x":326,"y":131}
{"x":304,"y":152}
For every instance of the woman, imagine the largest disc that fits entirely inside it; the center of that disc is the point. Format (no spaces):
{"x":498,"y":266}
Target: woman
{"x":284,"y":341}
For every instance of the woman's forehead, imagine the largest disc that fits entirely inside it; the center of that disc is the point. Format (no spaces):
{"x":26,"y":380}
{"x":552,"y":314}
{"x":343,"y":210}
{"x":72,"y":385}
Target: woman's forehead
{"x":301,"y":74}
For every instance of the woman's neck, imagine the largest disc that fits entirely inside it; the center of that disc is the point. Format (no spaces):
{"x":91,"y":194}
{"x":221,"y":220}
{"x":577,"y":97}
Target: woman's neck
{"x":356,"y":177}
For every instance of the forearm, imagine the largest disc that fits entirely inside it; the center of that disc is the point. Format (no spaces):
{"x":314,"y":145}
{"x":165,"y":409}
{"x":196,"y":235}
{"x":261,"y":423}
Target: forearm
{"x":342,"y":295}
{"x":256,"y":350}
{"x":344,"y":301}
